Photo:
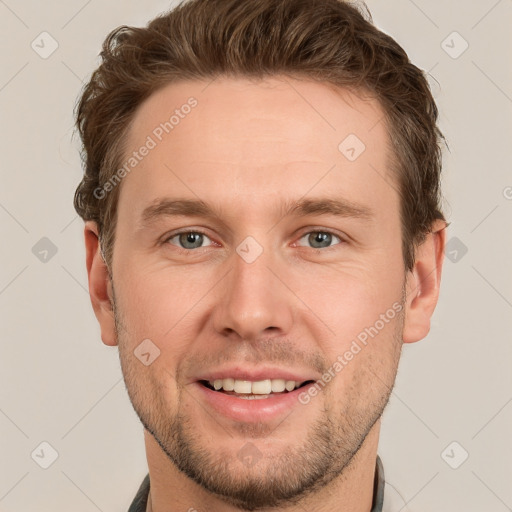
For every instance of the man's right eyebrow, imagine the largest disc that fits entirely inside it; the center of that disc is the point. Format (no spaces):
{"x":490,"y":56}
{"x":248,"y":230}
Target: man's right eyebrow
{"x":174,"y":207}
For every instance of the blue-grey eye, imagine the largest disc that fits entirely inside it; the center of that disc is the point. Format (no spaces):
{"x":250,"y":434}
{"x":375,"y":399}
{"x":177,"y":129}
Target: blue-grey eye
{"x":320,"y":239}
{"x":190,"y":240}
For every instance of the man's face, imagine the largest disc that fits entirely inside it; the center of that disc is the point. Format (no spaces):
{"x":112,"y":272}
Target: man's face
{"x":256,"y":293}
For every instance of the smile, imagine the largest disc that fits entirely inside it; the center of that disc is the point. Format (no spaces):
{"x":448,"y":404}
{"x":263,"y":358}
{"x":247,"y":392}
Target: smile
{"x":251,"y":401}
{"x":253,"y":389}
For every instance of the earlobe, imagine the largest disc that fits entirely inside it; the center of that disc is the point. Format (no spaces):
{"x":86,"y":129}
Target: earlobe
{"x":100,"y":287}
{"x":423,"y":283}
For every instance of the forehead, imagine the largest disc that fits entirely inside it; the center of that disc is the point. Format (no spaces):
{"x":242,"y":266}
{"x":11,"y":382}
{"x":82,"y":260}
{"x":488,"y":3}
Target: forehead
{"x":256,"y":140}
{"x":274,"y":110}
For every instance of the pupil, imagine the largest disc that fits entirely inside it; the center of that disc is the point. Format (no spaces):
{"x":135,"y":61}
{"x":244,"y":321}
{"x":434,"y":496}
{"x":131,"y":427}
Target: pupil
{"x":195,"y":239}
{"x":318,"y":238}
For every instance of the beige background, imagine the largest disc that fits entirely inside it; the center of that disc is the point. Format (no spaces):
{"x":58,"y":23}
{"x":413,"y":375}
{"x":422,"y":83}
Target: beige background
{"x":62,"y":386}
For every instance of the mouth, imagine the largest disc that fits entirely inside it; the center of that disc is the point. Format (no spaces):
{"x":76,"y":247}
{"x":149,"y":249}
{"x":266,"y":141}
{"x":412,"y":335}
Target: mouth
{"x":245,"y":401}
{"x":254,"y":390}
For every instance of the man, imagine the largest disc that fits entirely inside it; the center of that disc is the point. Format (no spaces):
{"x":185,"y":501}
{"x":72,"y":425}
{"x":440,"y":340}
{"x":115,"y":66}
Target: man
{"x":263,"y":233}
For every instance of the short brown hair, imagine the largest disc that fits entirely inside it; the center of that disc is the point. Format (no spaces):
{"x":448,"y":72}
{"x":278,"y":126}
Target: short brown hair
{"x":329,"y":41}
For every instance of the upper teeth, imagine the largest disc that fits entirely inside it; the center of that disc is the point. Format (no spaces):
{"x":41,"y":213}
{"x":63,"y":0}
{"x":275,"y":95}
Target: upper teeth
{"x":260,"y":387}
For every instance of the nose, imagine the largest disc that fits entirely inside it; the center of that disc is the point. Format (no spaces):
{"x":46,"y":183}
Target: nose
{"x":253,"y":301}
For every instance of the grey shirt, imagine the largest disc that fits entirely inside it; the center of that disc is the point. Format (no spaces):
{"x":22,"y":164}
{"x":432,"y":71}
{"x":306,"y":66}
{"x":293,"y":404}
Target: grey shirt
{"x":139,"y":504}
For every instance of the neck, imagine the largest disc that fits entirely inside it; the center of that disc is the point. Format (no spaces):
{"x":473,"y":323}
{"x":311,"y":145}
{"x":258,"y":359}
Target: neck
{"x":172,"y":491}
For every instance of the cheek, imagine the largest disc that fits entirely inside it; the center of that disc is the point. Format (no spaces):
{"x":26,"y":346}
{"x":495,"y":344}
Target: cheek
{"x":364,"y":365}
{"x":349,"y":300}
{"x":362,"y":310}
{"x":161,"y":306}
{"x":147,"y":315}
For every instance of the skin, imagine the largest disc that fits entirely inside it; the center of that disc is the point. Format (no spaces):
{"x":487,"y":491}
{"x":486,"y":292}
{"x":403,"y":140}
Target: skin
{"x":246,"y":148}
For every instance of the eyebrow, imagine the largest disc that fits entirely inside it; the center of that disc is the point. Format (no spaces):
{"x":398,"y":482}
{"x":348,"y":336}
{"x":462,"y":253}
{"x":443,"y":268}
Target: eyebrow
{"x":167,"y":207}
{"x":328,"y":206}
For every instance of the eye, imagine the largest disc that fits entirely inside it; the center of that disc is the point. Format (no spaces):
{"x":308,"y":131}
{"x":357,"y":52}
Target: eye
{"x":320,"y":239}
{"x":189,"y":240}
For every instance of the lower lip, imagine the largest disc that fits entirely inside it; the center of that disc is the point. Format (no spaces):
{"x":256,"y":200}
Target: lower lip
{"x":255,"y":410}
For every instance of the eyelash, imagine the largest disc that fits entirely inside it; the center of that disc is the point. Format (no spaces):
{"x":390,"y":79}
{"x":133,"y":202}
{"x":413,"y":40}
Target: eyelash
{"x":182,"y":250}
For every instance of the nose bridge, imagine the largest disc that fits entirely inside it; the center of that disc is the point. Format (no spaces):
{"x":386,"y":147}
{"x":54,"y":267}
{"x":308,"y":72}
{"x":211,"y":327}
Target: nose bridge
{"x":252,"y":300}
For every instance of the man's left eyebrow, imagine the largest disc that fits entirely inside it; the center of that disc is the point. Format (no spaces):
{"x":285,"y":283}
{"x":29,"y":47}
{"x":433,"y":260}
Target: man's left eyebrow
{"x":328,"y":206}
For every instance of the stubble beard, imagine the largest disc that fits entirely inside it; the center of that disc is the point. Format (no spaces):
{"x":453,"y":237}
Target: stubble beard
{"x":278,"y":480}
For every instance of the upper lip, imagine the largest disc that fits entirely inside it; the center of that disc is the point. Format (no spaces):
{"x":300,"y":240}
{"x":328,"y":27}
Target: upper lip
{"x":257,"y":374}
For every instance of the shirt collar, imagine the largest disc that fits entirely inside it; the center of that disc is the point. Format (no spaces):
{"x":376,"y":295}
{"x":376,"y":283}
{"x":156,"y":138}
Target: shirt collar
{"x":378,"y":487}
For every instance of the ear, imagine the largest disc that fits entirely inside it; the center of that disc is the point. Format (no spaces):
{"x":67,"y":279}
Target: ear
{"x":100,"y":287}
{"x":423,"y":284}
